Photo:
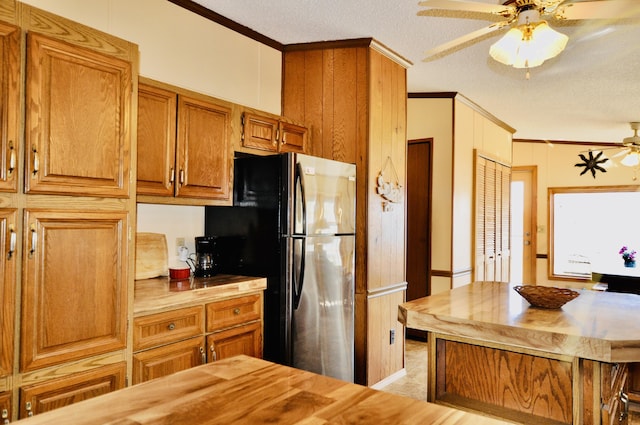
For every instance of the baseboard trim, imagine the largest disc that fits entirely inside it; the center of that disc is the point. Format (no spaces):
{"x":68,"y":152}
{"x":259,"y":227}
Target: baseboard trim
{"x":390,"y":379}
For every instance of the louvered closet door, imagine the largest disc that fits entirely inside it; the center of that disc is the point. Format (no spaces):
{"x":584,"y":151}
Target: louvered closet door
{"x":490,"y":227}
{"x":481,"y":165}
{"x":492,"y":220}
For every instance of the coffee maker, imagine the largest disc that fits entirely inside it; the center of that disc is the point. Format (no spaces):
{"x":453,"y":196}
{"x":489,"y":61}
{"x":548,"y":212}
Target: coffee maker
{"x":206,"y":263}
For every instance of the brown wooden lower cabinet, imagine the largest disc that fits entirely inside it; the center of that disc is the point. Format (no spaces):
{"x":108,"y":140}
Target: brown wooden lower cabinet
{"x":634,"y":382}
{"x":168,"y":359}
{"x":5,"y":407}
{"x":54,"y":393}
{"x":170,"y":341}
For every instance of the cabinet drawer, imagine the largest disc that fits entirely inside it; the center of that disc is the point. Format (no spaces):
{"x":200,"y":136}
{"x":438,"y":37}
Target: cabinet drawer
{"x":233,"y":312}
{"x":163,"y":328}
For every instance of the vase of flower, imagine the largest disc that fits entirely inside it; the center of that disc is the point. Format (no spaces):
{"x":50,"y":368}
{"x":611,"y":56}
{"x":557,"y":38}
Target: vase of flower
{"x":628,"y":256}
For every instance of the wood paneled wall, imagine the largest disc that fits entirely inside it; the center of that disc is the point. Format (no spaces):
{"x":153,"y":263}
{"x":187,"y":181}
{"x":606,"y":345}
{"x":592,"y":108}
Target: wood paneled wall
{"x":352,"y":97}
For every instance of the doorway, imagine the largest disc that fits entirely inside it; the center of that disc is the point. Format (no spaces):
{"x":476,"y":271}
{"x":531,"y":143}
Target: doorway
{"x":523,"y":224}
{"x":418,"y":266}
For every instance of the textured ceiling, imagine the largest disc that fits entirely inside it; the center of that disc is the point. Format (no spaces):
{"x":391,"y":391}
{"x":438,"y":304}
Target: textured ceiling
{"x":590,"y":92}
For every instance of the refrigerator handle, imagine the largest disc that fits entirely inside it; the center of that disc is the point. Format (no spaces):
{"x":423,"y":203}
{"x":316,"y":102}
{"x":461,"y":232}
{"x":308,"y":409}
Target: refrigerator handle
{"x":299,"y":280}
{"x":302,"y":202}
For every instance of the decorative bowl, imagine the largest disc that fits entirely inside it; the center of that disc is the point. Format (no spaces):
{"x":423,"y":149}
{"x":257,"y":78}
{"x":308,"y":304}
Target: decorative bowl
{"x":546,"y":296}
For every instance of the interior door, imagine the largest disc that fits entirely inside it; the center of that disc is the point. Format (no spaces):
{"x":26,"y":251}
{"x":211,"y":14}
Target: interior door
{"x":523,"y":227}
{"x":419,"y":218}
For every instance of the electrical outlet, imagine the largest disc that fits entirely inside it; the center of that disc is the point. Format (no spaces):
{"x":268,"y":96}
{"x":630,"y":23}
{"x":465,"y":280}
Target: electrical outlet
{"x":392,"y":336}
{"x":179,"y":243}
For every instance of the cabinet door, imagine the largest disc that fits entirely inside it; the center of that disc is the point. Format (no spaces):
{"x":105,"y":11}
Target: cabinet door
{"x":8,"y":241}
{"x":168,"y":359}
{"x":203,"y":156}
{"x":259,"y":132}
{"x":9,"y":105}
{"x":5,"y":407}
{"x":74,"y":287}
{"x":60,"y":392}
{"x":77,"y":135}
{"x":245,"y":339}
{"x":156,"y":140}
{"x":293,"y":138}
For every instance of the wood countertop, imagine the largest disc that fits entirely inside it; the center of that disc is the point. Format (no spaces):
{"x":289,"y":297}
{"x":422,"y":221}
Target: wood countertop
{"x":601,"y":326}
{"x":161,"y":294}
{"x":246,"y":390}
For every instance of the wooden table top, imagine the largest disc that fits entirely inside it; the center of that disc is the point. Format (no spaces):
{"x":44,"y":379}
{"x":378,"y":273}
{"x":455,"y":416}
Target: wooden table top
{"x":246,"y":390}
{"x":160,"y":294}
{"x":601,"y":326}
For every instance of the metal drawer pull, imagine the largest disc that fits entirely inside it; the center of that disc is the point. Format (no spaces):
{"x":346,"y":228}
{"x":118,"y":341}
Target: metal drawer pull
{"x":5,"y":416}
{"x":236,"y":311}
{"x":28,"y":407}
{"x":203,"y":355}
{"x":171,"y":326}
{"x":214,"y":356}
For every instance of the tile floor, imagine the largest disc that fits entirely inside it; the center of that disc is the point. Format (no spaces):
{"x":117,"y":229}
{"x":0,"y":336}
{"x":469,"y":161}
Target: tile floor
{"x":414,"y":384}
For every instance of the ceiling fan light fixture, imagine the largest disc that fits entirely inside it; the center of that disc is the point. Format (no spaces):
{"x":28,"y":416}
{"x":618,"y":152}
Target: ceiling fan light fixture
{"x":632,"y":159}
{"x":528,"y":45}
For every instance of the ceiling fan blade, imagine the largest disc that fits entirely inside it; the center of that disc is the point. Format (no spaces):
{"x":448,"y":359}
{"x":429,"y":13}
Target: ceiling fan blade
{"x":469,"y":6}
{"x":468,"y":38}
{"x":600,"y":9}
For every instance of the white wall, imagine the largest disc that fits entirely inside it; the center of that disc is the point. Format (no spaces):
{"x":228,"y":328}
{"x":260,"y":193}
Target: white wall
{"x":181,"y":48}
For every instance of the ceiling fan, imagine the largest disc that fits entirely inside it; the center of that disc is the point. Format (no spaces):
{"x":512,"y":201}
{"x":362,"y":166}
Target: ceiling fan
{"x":530,"y":41}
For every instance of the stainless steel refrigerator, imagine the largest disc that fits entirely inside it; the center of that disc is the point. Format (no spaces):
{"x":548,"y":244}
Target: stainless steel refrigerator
{"x":293,"y":222}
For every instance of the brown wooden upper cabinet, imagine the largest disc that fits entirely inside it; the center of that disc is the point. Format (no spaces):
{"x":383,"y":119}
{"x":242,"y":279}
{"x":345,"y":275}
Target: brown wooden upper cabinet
{"x":271,"y":134}
{"x":77,"y":135}
{"x":9,"y":105}
{"x":183,"y":143}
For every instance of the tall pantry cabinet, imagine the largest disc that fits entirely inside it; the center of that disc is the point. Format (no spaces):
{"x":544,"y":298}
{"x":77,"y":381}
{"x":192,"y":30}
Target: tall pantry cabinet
{"x":69,"y":220}
{"x":352,"y":96}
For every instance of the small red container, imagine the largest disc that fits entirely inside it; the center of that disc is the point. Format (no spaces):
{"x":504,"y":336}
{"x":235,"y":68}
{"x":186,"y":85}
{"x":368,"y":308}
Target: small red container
{"x":179,"y":273}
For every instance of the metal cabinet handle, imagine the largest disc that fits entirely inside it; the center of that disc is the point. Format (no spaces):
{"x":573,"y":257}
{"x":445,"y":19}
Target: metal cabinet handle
{"x":284,"y":140}
{"x":36,"y":161}
{"x":236,"y":311}
{"x":214,"y":356}
{"x":242,"y":128}
{"x":12,"y":241}
{"x":172,"y":175}
{"x":28,"y":407}
{"x":34,"y":240}
{"x":181,"y":176}
{"x":171,"y":326}
{"x":624,"y":398}
{"x":12,"y":158}
{"x":277,"y":137}
{"x":5,"y":416}
{"x":203,"y":355}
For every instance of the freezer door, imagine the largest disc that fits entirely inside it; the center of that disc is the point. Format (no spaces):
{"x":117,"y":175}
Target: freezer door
{"x":325,"y":196}
{"x":323,"y":305}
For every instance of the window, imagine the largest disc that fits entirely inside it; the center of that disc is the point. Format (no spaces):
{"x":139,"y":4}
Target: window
{"x":588,"y":226}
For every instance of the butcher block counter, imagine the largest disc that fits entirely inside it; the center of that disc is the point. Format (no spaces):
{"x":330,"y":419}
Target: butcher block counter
{"x":161,"y":293}
{"x":489,"y":350}
{"x":246,"y":390}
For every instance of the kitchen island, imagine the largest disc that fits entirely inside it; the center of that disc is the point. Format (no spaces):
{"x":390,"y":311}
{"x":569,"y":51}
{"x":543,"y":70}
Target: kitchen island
{"x":246,"y":390}
{"x":490,"y":351}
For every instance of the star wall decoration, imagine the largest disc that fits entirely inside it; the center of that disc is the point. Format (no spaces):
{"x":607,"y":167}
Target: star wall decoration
{"x":592,"y":164}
